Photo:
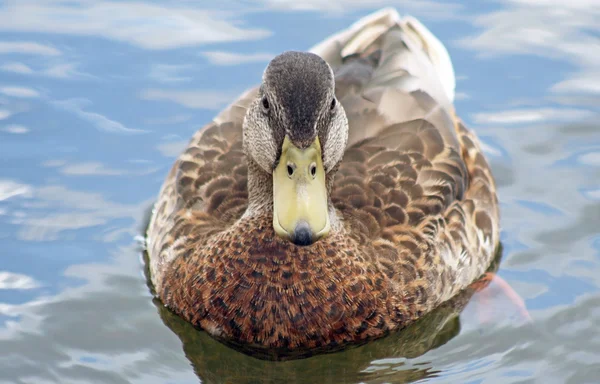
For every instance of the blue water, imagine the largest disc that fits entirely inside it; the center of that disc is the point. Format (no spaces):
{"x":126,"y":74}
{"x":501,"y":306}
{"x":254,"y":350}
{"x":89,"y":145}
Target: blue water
{"x":98,"y":98}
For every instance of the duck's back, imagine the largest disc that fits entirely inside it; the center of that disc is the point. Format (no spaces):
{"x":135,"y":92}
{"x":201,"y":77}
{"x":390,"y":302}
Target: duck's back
{"x":414,"y":192}
{"x":414,"y":182}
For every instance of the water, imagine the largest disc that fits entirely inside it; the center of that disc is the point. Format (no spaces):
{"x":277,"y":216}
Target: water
{"x":97,"y":99}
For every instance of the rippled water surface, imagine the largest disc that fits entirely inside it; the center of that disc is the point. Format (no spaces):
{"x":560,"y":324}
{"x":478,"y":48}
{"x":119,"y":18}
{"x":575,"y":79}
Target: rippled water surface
{"x":97,"y":98}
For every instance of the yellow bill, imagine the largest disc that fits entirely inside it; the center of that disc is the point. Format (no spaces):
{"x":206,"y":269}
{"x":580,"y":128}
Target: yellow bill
{"x":300,"y":209}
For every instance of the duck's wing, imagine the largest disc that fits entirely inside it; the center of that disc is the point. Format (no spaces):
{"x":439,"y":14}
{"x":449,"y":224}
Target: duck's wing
{"x":205,"y":191}
{"x":413,"y":181}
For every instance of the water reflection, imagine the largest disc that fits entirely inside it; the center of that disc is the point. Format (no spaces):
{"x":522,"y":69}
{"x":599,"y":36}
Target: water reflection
{"x":174,"y":25}
{"x":103,"y":331}
{"x":9,"y":280}
{"x":78,"y":107}
{"x":522,"y":27}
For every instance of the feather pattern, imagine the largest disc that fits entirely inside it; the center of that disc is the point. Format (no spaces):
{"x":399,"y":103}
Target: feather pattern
{"x":415,"y":197}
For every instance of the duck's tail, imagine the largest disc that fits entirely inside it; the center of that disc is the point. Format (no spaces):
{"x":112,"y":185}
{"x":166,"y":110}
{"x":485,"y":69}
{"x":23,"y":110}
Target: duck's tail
{"x":362,"y":37}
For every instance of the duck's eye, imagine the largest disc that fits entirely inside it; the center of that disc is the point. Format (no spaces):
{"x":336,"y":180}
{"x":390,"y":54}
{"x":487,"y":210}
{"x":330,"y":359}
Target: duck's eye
{"x":290,"y":170}
{"x":333,"y":102}
{"x":265,"y":103}
{"x":313,"y":170}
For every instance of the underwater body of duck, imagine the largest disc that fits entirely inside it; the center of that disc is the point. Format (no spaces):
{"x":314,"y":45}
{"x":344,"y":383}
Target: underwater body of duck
{"x":340,"y":200}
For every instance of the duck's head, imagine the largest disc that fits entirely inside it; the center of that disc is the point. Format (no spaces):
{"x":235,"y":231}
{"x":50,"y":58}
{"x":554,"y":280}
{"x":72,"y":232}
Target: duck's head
{"x":297,"y":131}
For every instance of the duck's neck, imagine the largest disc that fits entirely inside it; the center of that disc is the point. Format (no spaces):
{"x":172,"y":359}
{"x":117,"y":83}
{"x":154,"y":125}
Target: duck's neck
{"x":260,"y":190}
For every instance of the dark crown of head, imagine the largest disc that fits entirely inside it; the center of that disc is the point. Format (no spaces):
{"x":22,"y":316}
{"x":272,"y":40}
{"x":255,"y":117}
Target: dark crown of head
{"x":302,"y":84}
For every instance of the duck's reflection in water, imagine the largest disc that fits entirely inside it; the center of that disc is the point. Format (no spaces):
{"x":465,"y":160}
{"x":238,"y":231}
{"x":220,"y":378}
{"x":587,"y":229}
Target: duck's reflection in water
{"x":216,"y":362}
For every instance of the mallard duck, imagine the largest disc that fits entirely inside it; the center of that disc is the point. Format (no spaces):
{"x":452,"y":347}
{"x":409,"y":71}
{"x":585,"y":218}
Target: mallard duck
{"x":338,"y":201}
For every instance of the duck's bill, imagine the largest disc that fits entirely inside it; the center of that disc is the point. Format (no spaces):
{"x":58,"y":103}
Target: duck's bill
{"x":300,"y":209}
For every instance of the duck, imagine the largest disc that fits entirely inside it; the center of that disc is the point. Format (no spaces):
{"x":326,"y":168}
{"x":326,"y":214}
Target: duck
{"x":339,"y":200}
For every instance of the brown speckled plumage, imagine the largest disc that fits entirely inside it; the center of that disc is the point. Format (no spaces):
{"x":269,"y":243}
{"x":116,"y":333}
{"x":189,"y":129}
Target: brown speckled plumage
{"x":414,"y":194}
